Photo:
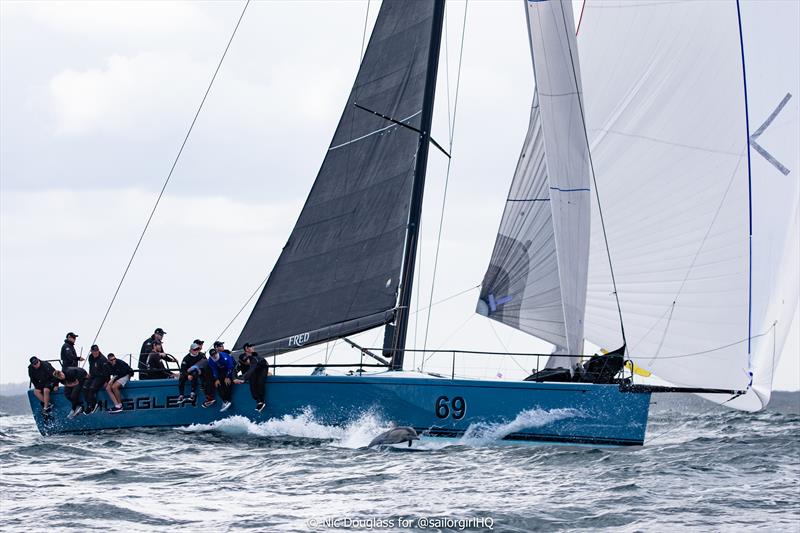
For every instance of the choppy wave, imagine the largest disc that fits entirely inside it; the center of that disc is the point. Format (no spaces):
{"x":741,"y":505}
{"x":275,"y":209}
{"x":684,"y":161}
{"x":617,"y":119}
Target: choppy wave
{"x":700,"y":470}
{"x":360,"y":432}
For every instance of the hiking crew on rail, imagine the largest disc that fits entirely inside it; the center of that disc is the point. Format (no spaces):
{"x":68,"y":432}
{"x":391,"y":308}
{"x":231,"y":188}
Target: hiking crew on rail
{"x":214,"y":374}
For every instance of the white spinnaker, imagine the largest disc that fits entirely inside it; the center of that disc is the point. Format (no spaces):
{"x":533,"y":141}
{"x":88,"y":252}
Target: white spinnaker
{"x":665,"y":108}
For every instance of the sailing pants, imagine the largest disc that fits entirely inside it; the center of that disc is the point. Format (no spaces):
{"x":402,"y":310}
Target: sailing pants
{"x":182,"y":383}
{"x":257,"y":380}
{"x":92,"y":386}
{"x":224,"y":390}
{"x":73,"y":394}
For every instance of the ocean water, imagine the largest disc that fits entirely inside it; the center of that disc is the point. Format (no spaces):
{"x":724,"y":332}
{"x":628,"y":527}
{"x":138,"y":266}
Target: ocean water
{"x":703,"y":468}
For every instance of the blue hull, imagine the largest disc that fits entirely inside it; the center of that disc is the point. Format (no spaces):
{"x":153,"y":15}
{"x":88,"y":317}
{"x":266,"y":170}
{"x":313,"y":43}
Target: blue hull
{"x":577,"y":413}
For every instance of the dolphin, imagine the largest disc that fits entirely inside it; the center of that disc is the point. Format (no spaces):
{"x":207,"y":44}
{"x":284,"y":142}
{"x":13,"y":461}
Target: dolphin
{"x":395,"y":435}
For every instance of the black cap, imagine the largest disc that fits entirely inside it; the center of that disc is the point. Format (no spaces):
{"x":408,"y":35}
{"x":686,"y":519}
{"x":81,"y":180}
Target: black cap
{"x":198,"y":341}
{"x":217,"y":344}
{"x":160,"y":331}
{"x":247,"y":345}
{"x":110,"y":355}
{"x":70,"y":334}
{"x":94,"y":347}
{"x":34,"y":360}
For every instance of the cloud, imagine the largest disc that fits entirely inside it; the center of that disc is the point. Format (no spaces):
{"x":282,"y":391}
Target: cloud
{"x":111,"y":19}
{"x":127,"y":92}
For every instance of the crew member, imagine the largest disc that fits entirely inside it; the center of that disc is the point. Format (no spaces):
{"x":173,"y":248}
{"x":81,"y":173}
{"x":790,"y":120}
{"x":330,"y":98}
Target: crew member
{"x":190,"y":360}
{"x":41,"y":374}
{"x":99,"y":374}
{"x":73,"y":379}
{"x":147,"y":349}
{"x":121,"y":372}
{"x":222,"y":367}
{"x":68,"y":356}
{"x":156,"y":369}
{"x":256,"y":374}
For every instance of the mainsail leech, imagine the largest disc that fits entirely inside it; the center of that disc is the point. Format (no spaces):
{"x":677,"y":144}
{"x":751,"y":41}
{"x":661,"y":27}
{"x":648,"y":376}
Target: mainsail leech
{"x":339,"y":272}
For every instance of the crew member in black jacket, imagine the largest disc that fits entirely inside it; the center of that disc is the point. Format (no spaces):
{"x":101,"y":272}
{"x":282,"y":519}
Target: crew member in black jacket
{"x":41,"y":374}
{"x":256,"y":374}
{"x":189,"y":360}
{"x":147,"y":349}
{"x":68,"y":356}
{"x":73,"y":379}
{"x":99,"y":374}
{"x":121,"y":373}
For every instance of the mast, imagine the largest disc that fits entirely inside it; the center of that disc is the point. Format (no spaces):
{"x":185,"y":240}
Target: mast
{"x":412,"y":234}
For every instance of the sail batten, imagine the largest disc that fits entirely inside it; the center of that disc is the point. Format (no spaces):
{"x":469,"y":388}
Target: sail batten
{"x":339,"y":270}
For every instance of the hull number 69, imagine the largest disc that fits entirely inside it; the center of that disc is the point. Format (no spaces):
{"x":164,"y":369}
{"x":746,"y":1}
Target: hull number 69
{"x":455,"y":408}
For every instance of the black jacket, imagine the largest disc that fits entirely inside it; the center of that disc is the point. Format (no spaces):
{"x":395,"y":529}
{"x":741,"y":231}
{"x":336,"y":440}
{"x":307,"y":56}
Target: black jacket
{"x":190,"y":360}
{"x":68,"y":356}
{"x":41,"y":377}
{"x":74,"y":373}
{"x":99,"y":367}
{"x":256,"y":363}
{"x":119,"y":369}
{"x":144,"y":353}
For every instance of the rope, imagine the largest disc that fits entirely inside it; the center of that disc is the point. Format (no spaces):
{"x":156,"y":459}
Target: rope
{"x":447,"y":174}
{"x":169,"y":175}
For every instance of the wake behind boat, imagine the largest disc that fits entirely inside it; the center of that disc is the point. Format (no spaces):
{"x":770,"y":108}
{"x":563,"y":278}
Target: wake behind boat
{"x":699,"y":295}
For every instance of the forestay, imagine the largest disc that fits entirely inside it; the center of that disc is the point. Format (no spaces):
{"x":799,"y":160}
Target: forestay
{"x":673,"y":91}
{"x":536,"y":280}
{"x":339,"y":271}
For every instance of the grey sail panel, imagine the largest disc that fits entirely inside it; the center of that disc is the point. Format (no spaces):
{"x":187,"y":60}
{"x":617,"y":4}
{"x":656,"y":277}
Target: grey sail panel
{"x":341,"y":265}
{"x":521,"y":286}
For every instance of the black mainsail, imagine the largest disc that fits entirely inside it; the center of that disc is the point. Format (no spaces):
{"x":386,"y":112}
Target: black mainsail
{"x":340,"y":270}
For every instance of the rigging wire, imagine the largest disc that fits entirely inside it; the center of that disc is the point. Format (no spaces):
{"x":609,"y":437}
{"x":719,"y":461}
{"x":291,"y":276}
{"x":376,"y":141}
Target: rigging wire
{"x":364,"y":36}
{"x":497,"y":335}
{"x":171,"y":170}
{"x":681,"y":426}
{"x":239,"y":312}
{"x":451,"y":131}
{"x":460,"y":293}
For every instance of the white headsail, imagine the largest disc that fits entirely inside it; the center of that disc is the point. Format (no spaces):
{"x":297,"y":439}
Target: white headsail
{"x":692,"y":114}
{"x":536,"y":281}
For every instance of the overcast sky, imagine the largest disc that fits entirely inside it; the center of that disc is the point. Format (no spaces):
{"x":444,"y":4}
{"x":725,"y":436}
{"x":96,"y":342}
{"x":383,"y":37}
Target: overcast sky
{"x":95,"y":99}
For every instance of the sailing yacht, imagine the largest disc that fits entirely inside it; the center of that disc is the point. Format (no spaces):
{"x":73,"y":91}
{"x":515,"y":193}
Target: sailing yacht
{"x":654,"y":208}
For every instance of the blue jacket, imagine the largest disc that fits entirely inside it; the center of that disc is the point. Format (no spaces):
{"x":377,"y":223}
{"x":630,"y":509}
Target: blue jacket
{"x":223,"y":367}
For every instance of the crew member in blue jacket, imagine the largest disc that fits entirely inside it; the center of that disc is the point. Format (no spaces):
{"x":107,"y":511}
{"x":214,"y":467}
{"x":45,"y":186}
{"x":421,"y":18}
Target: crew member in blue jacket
{"x":222,"y":368}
